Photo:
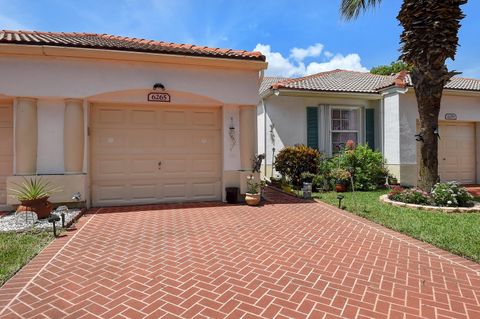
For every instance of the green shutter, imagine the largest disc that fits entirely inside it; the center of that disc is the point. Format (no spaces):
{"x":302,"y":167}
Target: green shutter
{"x":312,"y":127}
{"x":370,"y":127}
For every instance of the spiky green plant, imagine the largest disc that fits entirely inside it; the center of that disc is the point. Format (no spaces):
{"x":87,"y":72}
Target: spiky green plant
{"x":33,"y":188}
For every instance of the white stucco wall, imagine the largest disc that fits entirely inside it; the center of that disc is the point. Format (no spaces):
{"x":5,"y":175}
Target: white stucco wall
{"x":392,"y":128}
{"x":80,"y":78}
{"x":401,"y":115}
{"x":51,"y":80}
{"x":50,"y":136}
{"x":467,"y":108}
{"x":288,"y":114}
{"x":231,"y":145}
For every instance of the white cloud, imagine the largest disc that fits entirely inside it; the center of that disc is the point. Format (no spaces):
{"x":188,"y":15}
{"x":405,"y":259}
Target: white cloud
{"x":294,"y":65}
{"x":351,"y":61}
{"x":7,"y":23}
{"x":300,"y":54}
{"x":277,"y":64}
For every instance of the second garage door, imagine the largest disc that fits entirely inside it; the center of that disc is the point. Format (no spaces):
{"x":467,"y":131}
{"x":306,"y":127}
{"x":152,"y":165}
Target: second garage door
{"x":456,"y":152}
{"x":6,"y":149}
{"x":152,"y":154}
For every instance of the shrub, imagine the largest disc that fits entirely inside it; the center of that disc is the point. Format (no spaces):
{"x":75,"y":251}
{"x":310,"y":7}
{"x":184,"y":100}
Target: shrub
{"x":410,"y":196}
{"x":451,"y":194}
{"x":292,"y":161}
{"x":366,"y":165}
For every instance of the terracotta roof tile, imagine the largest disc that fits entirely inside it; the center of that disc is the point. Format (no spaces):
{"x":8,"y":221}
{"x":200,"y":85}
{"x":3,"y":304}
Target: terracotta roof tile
{"x":268,"y":81}
{"x":356,"y":82}
{"x":111,"y":42}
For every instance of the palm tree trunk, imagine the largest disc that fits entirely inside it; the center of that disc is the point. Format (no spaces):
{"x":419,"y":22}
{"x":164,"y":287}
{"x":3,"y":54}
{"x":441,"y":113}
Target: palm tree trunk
{"x":428,"y":90}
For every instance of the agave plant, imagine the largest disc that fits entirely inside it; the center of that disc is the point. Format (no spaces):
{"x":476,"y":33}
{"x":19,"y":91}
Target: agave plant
{"x":33,"y":188}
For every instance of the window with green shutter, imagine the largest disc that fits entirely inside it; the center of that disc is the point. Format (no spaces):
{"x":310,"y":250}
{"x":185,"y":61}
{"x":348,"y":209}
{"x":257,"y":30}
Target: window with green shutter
{"x":312,"y":127}
{"x":370,"y":127}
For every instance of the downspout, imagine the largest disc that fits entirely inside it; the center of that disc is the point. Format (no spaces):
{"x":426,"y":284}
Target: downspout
{"x":264,"y":106}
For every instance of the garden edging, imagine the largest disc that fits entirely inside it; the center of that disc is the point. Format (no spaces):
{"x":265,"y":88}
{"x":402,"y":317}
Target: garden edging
{"x":474,"y":209}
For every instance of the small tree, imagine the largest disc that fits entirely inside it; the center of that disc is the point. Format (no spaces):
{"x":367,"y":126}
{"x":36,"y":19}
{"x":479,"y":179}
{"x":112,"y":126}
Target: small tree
{"x":393,"y":68}
{"x":292,"y":161}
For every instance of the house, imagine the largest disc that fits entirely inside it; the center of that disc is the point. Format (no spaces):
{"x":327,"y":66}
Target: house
{"x":325,"y":110}
{"x":123,"y":120}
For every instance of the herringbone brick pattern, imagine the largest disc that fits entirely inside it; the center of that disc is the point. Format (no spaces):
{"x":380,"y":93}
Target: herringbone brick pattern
{"x":293,"y":260}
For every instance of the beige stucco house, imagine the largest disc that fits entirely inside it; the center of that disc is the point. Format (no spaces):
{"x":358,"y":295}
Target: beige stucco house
{"x":325,"y":110}
{"x":123,"y":120}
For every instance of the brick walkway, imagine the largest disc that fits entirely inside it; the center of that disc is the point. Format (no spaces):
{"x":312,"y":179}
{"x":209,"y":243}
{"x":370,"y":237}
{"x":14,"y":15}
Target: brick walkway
{"x":290,"y":260}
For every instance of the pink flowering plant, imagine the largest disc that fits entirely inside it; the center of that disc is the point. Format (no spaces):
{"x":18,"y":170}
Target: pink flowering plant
{"x":410,"y":196}
{"x":449,"y":194}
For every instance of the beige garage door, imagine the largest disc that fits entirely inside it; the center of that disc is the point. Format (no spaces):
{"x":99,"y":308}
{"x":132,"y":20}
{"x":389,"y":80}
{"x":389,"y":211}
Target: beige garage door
{"x":152,"y":154}
{"x":6,"y":148}
{"x":456,"y":152}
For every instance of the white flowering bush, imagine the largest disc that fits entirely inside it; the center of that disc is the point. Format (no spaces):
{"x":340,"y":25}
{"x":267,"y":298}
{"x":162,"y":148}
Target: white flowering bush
{"x":451,"y":194}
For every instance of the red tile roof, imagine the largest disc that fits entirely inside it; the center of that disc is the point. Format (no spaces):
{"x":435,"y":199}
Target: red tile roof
{"x":356,"y":82}
{"x":118,"y":43}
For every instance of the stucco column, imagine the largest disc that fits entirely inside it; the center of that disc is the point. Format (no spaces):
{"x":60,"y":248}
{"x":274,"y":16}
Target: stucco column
{"x":247,"y":136}
{"x":26,"y":133}
{"x":73,"y":136}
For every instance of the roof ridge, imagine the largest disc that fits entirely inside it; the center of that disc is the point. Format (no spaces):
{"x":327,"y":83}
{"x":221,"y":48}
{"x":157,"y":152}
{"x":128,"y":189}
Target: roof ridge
{"x":125,"y":42}
{"x":280,"y":84}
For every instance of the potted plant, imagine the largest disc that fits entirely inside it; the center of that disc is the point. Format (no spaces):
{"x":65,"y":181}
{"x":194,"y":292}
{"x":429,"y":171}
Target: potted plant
{"x":254,"y":191}
{"x":33,"y":196}
{"x":342,"y":177}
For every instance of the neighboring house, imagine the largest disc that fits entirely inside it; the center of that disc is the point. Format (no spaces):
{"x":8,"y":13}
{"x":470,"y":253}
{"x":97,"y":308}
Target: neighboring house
{"x":124,"y":120}
{"x":325,"y":110}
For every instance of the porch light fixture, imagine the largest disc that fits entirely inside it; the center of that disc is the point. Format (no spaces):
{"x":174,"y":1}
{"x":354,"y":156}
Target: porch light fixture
{"x":436,"y":132}
{"x":276,"y":92}
{"x":158,"y":86}
{"x":231,"y":134}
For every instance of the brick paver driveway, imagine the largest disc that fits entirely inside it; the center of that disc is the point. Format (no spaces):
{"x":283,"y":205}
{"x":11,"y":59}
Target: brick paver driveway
{"x":284,"y":260}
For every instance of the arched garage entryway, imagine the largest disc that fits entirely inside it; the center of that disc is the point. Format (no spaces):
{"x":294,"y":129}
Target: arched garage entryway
{"x":155,"y":152}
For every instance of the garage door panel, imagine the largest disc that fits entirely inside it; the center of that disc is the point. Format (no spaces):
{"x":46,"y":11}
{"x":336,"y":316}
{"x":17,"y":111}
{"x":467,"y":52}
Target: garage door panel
{"x":140,"y":167}
{"x":206,"y":166}
{"x":147,"y":190}
{"x":206,"y":142}
{"x":205,"y":119}
{"x":126,"y":155}
{"x":174,"y":166}
{"x":144,"y":118}
{"x":110,"y":117}
{"x":175,"y":118}
{"x":173,"y":190}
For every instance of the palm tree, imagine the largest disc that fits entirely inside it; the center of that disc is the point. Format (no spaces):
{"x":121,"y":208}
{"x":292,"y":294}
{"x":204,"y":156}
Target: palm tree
{"x":429,"y":38}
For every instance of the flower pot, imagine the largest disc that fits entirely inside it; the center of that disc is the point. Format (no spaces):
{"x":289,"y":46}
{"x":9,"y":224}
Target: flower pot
{"x":252,"y":199}
{"x":41,"y":206}
{"x":341,"y":187}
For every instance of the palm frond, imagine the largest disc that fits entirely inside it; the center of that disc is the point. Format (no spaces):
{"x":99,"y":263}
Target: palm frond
{"x":351,"y":9}
{"x":33,"y":188}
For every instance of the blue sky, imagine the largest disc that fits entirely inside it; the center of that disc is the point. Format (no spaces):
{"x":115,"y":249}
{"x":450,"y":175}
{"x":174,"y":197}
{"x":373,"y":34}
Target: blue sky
{"x":299,"y":37}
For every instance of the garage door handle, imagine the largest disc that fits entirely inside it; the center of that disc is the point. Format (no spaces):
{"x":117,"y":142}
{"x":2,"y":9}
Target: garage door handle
{"x":160,"y":165}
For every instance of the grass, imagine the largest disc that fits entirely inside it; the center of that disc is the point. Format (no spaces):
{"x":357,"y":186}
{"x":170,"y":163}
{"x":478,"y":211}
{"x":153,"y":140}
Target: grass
{"x":458,"y":233}
{"x":16,"y":250}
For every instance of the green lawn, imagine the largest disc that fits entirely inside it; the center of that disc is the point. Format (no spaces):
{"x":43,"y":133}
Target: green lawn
{"x":458,"y":233}
{"x":16,"y":250}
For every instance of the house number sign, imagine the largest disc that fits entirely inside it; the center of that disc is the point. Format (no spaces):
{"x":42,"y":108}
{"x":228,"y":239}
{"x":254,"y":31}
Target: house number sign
{"x":158,"y":97}
{"x":450,"y":116}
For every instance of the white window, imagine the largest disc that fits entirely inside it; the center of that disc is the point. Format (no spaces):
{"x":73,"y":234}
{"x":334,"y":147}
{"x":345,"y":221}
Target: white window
{"x":344,"y":126}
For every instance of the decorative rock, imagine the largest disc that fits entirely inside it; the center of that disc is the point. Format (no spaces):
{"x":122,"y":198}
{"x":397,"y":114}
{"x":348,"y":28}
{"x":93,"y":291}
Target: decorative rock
{"x":9,"y":222}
